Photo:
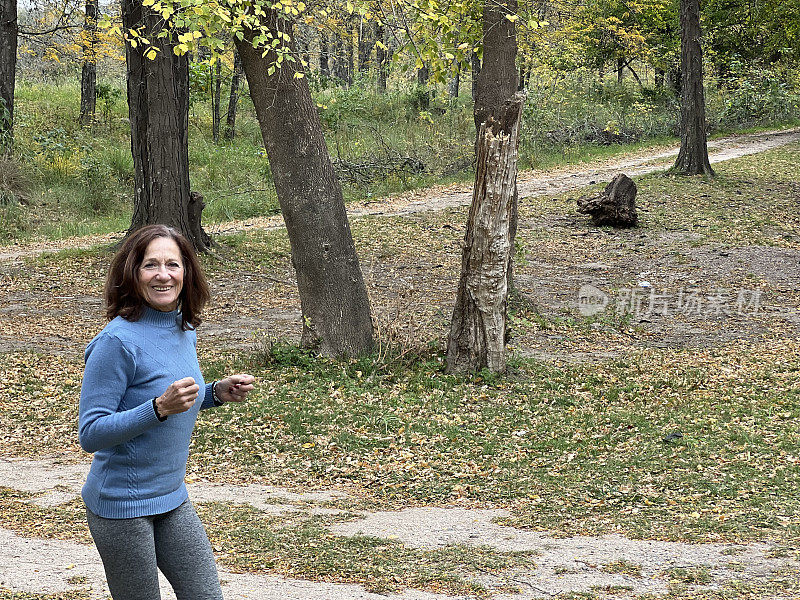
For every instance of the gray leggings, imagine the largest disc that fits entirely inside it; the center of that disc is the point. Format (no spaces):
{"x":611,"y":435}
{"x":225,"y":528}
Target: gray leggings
{"x":133,"y":550}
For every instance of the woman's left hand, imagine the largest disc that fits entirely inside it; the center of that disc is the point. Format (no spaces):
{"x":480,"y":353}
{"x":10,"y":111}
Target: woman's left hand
{"x":234,"y":388}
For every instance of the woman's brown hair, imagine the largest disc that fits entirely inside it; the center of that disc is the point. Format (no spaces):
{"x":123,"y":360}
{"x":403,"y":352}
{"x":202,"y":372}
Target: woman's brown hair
{"x":122,"y":294}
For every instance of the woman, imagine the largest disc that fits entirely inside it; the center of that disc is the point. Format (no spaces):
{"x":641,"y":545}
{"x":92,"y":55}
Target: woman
{"x":141,"y":392}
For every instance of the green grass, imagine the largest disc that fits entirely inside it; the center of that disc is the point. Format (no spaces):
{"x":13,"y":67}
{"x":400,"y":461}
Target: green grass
{"x":303,"y":547}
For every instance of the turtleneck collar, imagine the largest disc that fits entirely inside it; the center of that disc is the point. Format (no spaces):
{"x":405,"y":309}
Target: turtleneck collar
{"x":166,"y":320}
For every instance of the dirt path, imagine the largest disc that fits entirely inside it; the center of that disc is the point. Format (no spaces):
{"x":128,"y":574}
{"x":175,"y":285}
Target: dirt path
{"x":530,"y":183}
{"x":563,"y":565}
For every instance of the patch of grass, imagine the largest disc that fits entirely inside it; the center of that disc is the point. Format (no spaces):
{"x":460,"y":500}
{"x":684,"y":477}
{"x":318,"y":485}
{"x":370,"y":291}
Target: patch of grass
{"x":689,"y":575}
{"x":65,"y":522}
{"x":304,"y":548}
{"x":623,"y":567}
{"x":70,"y":595}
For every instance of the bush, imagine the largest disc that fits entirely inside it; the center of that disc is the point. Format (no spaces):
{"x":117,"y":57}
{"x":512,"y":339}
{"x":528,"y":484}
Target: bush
{"x":755,"y":95}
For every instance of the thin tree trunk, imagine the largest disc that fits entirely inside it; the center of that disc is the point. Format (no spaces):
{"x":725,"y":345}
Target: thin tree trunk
{"x":381,"y":58}
{"x":158,"y":106}
{"x":620,"y":69}
{"x":89,"y":67}
{"x":366,"y":42}
{"x":324,"y":68}
{"x":659,"y":78}
{"x":9,"y":33}
{"x":693,"y":155}
{"x":350,"y":48}
{"x":216,"y":92}
{"x":333,"y":297}
{"x":478,"y":328}
{"x":422,"y":84}
{"x":475,"y":63}
{"x":233,"y":100}
{"x":455,"y":83}
{"x":339,"y":60}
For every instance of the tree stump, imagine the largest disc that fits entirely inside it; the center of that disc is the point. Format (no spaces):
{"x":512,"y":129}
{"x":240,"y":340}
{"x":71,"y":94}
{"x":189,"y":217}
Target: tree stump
{"x":616,"y":206}
{"x":477,"y":331}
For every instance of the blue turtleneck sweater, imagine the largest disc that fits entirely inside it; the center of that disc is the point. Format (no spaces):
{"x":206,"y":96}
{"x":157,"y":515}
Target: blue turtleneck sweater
{"x":139,"y":462}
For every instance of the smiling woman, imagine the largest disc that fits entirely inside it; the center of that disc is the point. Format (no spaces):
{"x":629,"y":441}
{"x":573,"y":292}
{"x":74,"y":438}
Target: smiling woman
{"x":142,"y":390}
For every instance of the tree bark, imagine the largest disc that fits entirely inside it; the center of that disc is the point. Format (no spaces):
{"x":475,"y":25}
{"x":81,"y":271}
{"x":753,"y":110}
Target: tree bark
{"x":324,"y":68}
{"x":158,"y":106}
{"x":333,"y":297}
{"x":9,"y":33}
{"x":478,"y":329}
{"x":693,"y":155}
{"x":497,"y":80}
{"x":366,"y":42}
{"x":89,"y":67}
{"x":475,"y":63}
{"x":455,"y":84}
{"x":381,"y":58}
{"x":233,"y":100}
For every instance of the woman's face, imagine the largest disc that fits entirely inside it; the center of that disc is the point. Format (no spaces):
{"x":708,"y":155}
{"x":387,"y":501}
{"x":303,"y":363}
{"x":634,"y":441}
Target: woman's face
{"x":161,"y":274}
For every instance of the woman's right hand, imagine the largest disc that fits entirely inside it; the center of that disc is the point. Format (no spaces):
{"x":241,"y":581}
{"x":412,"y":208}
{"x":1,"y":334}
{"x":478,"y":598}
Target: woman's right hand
{"x":179,"y":397}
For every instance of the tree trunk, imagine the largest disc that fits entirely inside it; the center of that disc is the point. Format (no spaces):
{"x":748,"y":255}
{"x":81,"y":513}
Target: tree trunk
{"x":497,"y":81}
{"x":366,"y":42}
{"x":339,"y":60}
{"x":350,"y":49}
{"x":693,"y":155}
{"x":620,"y":69}
{"x":8,"y":70}
{"x":659,"y":78}
{"x":216,"y":93}
{"x":158,"y":106}
{"x":324,"y":67}
{"x":478,"y":328}
{"x":381,"y":58}
{"x":89,"y":67}
{"x":333,"y":297}
{"x":422,"y":86}
{"x":455,"y":84}
{"x":475,"y":63}
{"x":233,"y":100}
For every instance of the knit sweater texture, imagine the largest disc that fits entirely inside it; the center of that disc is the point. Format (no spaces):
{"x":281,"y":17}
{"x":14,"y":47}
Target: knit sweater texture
{"x":139,"y":462}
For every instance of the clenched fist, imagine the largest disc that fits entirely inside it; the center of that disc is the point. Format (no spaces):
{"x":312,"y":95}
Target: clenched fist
{"x":179,"y":397}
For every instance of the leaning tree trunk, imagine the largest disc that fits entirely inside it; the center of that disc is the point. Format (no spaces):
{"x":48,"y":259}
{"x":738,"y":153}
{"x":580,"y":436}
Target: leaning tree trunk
{"x":478,"y":328}
{"x":158,"y":105}
{"x":233,"y":100}
{"x":333,"y":297}
{"x":89,"y":67}
{"x":693,"y":155}
{"x":8,"y":70}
